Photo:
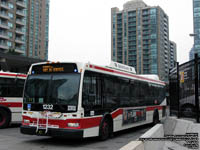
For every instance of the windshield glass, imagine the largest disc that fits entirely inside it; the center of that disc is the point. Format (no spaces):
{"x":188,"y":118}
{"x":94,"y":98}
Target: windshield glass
{"x":54,"y":89}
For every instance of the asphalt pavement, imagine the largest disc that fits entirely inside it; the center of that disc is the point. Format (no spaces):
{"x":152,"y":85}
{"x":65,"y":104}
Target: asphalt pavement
{"x":12,"y":139}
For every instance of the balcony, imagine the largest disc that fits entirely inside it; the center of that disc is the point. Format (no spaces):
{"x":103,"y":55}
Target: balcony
{"x":132,"y":24}
{"x":146,"y":37}
{"x":19,"y":31}
{"x":4,"y":35}
{"x":145,"y":18}
{"x":20,"y":22}
{"x":131,"y":20}
{"x":146,"y":23}
{"x":131,"y":29}
{"x":4,"y":5}
{"x":19,"y":40}
{"x":132,"y":44}
{"x":4,"y":25}
{"x":19,"y":49}
{"x":21,"y":4}
{"x":146,"y":33}
{"x":146,"y":52}
{"x":131,"y":39}
{"x":4,"y":15}
{"x":21,"y":13}
{"x":3,"y":45}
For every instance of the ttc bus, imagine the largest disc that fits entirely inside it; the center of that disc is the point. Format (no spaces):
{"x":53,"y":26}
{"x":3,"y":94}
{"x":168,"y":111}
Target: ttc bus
{"x":11,"y":92}
{"x":79,"y":100}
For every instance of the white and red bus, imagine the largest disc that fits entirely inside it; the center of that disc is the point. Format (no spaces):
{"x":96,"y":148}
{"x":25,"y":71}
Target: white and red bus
{"x":11,"y":92}
{"x":79,"y":100}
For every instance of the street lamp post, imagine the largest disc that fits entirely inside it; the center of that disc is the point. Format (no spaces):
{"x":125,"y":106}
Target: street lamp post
{"x":196,"y":69}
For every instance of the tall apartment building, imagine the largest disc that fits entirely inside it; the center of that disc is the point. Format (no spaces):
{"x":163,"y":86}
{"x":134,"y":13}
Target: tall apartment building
{"x":173,"y":54}
{"x":140,"y":38}
{"x":196,"y":29}
{"x":24,"y":27}
{"x":191,"y":53}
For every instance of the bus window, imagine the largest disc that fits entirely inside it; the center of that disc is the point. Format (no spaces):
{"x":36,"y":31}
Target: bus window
{"x":8,"y":88}
{"x":19,"y":87}
{"x":124,"y":93}
{"x":91,"y":95}
{"x":111,"y":92}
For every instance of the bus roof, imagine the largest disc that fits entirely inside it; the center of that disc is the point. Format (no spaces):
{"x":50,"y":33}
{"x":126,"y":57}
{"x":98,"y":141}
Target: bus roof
{"x":130,"y":73}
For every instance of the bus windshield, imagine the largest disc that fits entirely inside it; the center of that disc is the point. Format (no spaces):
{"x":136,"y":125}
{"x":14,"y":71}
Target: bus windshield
{"x":52,"y":89}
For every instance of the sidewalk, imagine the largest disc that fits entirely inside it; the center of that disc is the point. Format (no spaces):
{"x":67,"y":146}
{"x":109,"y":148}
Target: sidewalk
{"x":171,"y":134}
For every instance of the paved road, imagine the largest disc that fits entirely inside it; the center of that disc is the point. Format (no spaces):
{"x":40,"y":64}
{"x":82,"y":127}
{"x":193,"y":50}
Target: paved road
{"x":12,"y":139}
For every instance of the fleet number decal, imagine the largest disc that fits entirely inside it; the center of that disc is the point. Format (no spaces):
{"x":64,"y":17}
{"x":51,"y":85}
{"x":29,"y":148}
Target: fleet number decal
{"x":48,"y":107}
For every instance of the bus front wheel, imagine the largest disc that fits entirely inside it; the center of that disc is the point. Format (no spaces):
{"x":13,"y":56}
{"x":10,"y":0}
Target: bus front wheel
{"x":4,"y":118}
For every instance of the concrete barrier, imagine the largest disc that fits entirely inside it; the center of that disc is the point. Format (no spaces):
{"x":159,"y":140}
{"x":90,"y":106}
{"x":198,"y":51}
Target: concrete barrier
{"x":171,"y":126}
{"x":155,"y":132}
{"x":174,"y":126}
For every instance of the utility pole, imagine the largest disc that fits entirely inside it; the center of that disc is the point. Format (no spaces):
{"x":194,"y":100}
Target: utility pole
{"x":178,"y":87}
{"x":196,"y":69}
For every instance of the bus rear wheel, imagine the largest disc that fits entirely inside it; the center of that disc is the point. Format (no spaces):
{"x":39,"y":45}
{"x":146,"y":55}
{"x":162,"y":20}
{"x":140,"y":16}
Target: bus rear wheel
{"x":156,"y":117}
{"x":4,"y":118}
{"x":104,"y":130}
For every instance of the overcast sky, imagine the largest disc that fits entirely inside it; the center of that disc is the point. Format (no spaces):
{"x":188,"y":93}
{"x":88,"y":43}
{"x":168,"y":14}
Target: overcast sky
{"x":80,"y":30}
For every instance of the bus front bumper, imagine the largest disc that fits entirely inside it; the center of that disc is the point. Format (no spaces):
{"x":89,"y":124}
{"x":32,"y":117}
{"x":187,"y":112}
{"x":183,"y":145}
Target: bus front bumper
{"x":66,"y":133}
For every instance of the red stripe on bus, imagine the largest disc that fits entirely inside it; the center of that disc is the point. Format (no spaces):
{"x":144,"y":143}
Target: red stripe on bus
{"x":11,"y":104}
{"x":22,"y":75}
{"x":122,"y":73}
{"x":13,"y":75}
{"x":117,"y":113}
{"x":84,"y":122}
{"x":153,"y":108}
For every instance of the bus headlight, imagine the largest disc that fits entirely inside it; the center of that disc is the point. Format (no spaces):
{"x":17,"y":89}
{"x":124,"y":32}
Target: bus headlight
{"x":73,"y":124}
{"x":26,"y":121}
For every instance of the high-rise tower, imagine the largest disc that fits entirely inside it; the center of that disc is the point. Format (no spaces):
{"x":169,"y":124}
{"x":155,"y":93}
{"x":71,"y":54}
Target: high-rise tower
{"x":140,"y":38}
{"x":24,"y":27}
{"x":196,"y":29}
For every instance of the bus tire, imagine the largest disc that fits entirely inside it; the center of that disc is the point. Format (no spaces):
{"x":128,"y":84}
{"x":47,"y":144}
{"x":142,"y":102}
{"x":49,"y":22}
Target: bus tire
{"x":156,"y":117}
{"x":104,"y":130}
{"x":4,"y":118}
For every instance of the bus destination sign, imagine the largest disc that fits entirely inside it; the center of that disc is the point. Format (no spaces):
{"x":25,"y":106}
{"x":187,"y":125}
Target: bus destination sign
{"x":54,"y":68}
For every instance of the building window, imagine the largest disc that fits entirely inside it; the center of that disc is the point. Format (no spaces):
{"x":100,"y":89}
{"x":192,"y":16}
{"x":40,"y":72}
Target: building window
{"x":9,"y":44}
{"x":10,"y":15}
{"x":10,"y":34}
{"x":10,"y":5}
{"x":10,"y":24}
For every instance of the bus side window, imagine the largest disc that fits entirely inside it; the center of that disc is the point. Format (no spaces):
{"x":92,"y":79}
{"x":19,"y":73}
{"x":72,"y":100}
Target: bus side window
{"x":135,"y":93}
{"x":124,"y":93}
{"x":7,"y":87}
{"x":111,"y":91}
{"x":91,"y":96}
{"x":19,"y":87}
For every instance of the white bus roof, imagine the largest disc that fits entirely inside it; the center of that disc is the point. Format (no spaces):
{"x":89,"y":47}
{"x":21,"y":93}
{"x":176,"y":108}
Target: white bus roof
{"x":125,"y":71}
{"x":150,"y":76}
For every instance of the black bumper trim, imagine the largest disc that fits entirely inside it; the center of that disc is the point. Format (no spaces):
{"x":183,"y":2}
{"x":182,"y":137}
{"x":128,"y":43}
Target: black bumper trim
{"x":66,"y":133}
